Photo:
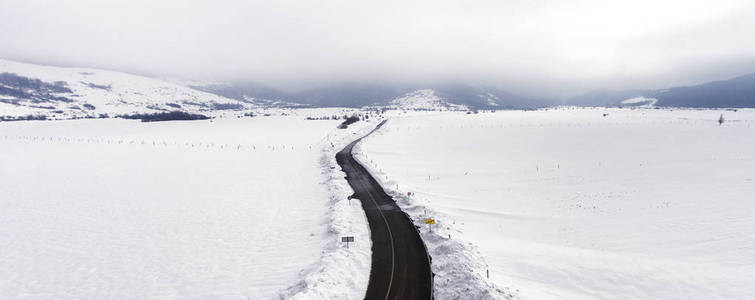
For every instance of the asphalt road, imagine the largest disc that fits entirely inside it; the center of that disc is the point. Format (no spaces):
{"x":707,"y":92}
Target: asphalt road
{"x":400,"y":263}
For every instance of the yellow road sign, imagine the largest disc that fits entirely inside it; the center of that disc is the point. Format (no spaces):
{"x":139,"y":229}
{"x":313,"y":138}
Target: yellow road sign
{"x":429,"y":221}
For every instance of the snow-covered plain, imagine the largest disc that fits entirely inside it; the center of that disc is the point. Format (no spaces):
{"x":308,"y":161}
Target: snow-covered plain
{"x":572,"y":204}
{"x":229,"y":208}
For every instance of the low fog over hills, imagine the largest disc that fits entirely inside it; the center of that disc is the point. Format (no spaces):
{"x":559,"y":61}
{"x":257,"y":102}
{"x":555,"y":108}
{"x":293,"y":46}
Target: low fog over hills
{"x":365,"y":94}
{"x":56,"y":92}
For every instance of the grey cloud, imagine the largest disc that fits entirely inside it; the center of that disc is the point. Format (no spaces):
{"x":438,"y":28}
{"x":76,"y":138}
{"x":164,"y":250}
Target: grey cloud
{"x":553,"y":48}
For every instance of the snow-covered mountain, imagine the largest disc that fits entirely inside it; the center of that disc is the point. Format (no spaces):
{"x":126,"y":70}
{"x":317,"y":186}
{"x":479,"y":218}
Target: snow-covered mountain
{"x":64,"y":93}
{"x":425,"y":99}
{"x":640,"y":101}
{"x":735,"y":92}
{"x":363,"y":94}
{"x":60,"y":92}
{"x":249,"y":92}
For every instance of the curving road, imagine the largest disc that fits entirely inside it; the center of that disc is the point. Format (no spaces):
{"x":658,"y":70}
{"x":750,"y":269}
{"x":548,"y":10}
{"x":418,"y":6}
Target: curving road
{"x":400,"y":263}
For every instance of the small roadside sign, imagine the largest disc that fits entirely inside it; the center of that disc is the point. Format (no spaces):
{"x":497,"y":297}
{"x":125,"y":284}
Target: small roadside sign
{"x":347,"y":240}
{"x":430,"y":222}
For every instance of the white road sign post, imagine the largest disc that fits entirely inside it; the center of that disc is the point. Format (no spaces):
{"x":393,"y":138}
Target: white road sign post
{"x":347,"y":240}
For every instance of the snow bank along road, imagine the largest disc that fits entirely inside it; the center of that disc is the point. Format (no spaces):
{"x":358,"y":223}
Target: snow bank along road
{"x":400,"y":264}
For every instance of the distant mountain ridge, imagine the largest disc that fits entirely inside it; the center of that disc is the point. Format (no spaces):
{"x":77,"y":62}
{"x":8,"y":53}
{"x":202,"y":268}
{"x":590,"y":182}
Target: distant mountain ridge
{"x":30,"y":90}
{"x":360,"y":95}
{"x":738,"y":92}
{"x":61,"y":92}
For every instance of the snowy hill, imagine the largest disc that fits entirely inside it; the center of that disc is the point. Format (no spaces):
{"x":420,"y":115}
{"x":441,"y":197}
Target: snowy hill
{"x":62,"y":93}
{"x":425,"y":99}
{"x":249,"y":92}
{"x":482,"y":97}
{"x":736,"y":92}
{"x":640,"y":101}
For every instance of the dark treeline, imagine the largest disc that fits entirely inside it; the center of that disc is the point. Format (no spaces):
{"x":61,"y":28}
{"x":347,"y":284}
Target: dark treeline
{"x":165,"y":116}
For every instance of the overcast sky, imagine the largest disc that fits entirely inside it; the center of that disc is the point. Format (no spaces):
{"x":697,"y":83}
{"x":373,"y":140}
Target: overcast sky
{"x":546,"y":47}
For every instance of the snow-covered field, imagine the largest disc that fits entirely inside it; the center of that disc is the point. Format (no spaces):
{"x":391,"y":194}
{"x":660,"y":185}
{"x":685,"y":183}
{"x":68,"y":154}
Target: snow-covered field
{"x":567,"y":203}
{"x":230,"y":208}
{"x":572,"y":204}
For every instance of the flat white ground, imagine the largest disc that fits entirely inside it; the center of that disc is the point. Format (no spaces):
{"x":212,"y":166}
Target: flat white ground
{"x":571,"y":204}
{"x":232,"y":208}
